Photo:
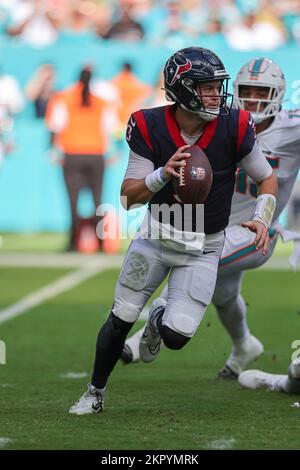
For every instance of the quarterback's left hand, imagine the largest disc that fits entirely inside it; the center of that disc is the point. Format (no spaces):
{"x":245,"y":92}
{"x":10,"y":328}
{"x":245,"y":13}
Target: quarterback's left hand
{"x":262,"y":239}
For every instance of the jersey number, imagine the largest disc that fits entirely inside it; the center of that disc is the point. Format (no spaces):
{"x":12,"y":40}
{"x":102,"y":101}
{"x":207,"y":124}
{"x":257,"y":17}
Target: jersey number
{"x":243,"y":186}
{"x":129,"y":129}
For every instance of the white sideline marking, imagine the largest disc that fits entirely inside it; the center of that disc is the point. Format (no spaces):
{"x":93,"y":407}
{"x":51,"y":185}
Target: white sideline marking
{"x":4,"y":441}
{"x":221,"y":444}
{"x":77,"y":260}
{"x":56,"y":260}
{"x":67,"y":282}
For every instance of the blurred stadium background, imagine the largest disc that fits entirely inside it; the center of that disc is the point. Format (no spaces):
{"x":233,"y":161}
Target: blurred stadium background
{"x":62,"y":37}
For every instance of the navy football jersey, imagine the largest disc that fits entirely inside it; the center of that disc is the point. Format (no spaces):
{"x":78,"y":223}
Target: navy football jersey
{"x":154,"y":134}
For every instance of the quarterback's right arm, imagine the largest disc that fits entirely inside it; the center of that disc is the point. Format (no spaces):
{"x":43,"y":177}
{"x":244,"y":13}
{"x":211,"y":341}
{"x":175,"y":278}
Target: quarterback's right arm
{"x":134,"y":189}
{"x":141,"y":181}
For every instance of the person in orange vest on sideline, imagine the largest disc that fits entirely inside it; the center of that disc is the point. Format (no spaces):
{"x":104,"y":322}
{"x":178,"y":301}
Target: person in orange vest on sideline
{"x":76,"y":119}
{"x":133,"y":93}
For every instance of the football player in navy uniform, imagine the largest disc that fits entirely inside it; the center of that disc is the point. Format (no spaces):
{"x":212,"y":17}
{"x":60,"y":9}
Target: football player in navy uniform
{"x":259,"y":88}
{"x":196,"y":81}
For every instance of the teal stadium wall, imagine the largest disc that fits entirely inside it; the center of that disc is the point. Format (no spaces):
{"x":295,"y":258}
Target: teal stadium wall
{"x":32,"y":192}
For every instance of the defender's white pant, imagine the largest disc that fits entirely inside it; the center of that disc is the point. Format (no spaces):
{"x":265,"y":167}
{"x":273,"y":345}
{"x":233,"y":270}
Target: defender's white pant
{"x":239,"y":254}
{"x":192,"y":278}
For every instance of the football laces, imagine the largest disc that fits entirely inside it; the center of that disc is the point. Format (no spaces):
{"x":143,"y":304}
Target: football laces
{"x":181,"y":176}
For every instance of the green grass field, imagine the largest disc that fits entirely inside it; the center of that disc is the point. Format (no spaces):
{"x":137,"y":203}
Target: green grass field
{"x":173,"y":403}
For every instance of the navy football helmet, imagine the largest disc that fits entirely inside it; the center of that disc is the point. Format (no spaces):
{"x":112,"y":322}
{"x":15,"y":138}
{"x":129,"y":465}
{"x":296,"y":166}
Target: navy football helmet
{"x":182,"y":73}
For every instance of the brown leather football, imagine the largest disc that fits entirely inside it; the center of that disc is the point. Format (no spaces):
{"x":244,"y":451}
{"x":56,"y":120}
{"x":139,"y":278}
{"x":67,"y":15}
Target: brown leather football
{"x":195,"y":180}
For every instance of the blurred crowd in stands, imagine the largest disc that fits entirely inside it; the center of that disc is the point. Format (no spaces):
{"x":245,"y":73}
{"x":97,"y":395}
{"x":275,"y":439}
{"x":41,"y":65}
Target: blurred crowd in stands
{"x":242,"y":24}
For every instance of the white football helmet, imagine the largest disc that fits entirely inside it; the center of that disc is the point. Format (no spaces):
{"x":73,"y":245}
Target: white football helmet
{"x":265,"y":73}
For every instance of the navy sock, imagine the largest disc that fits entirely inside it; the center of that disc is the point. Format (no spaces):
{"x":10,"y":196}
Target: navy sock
{"x":109,"y":347}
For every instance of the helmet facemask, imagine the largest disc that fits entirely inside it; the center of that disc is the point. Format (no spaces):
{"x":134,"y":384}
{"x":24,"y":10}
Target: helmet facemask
{"x":266,"y":108}
{"x":186,"y":95}
{"x":264,"y":73}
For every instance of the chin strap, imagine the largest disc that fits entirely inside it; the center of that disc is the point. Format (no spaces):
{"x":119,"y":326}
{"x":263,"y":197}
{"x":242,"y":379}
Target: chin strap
{"x":207,"y":116}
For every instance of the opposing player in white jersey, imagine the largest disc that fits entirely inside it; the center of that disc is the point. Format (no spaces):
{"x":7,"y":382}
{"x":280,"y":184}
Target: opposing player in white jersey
{"x":290,"y":383}
{"x":259,"y":88}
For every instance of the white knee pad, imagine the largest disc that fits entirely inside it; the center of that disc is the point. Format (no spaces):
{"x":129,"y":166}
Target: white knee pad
{"x":182,"y":324}
{"x":126,"y":311}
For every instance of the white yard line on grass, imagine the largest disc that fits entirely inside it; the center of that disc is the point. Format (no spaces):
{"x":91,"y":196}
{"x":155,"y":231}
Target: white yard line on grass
{"x":90,"y":266}
{"x":77,"y":260}
{"x":63,"y":284}
{"x":221,"y":444}
{"x":55,"y":260}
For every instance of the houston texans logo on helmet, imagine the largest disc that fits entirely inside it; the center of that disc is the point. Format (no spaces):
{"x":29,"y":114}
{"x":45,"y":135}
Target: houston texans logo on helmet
{"x":176,"y":66}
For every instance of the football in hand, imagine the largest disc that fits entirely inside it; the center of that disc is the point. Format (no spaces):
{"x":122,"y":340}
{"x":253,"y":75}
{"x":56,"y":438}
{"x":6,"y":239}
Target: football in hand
{"x":195,"y":179}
